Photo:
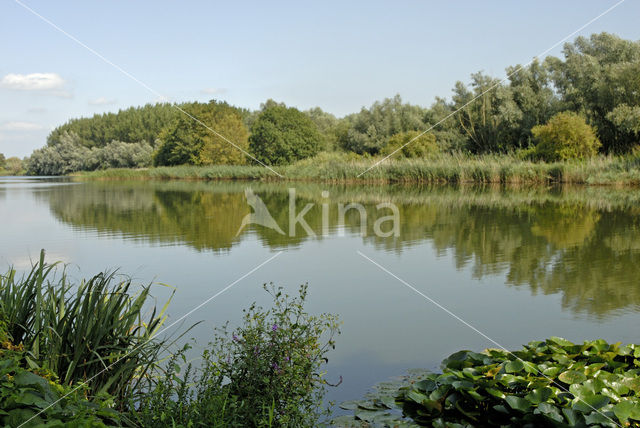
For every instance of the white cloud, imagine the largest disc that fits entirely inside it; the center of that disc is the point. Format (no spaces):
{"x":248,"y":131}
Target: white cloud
{"x":213,"y":91}
{"x":21,"y":126}
{"x":102,"y":101}
{"x":32,"y":82}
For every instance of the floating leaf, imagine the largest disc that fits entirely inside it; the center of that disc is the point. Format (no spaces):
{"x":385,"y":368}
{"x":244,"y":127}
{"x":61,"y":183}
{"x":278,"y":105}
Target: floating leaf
{"x":572,"y":376}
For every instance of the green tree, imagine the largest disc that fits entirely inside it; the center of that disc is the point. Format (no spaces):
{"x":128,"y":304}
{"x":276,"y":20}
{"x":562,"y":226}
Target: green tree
{"x":282,"y":135}
{"x":533,"y":93}
{"x":371,"y":128}
{"x":600,"y":78}
{"x":2,"y":160}
{"x":489,"y":121}
{"x":566,"y":136}
{"x":186,"y":141}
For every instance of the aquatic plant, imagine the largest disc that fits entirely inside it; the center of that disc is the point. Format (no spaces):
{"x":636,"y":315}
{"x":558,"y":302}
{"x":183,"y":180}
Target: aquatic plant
{"x":548,"y":383}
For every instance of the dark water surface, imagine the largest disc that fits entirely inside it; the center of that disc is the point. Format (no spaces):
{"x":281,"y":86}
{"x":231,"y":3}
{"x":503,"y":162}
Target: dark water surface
{"x":517,"y":264}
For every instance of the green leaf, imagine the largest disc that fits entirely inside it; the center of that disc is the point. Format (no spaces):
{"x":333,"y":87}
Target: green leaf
{"x":539,"y":395}
{"x":572,"y":376}
{"x":627,"y":409}
{"x":560,"y":341}
{"x":590,"y":403}
{"x":518,"y":403}
{"x":514,"y":366}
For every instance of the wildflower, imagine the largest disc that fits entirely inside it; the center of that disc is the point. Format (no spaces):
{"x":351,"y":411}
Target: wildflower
{"x":275,"y":327}
{"x":235,"y":338}
{"x":275,"y":366}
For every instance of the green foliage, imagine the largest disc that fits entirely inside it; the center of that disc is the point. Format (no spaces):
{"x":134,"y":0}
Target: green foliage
{"x":371,"y":128}
{"x":133,"y":125}
{"x":411,"y":145}
{"x":76,"y":330}
{"x":491,"y":121}
{"x":550,"y":383}
{"x":11,"y":166}
{"x":281,"y":135}
{"x":267,"y":372}
{"x":565,"y":136}
{"x":68,"y":155}
{"x":600,"y":78}
{"x":25,"y":393}
{"x":187,"y":141}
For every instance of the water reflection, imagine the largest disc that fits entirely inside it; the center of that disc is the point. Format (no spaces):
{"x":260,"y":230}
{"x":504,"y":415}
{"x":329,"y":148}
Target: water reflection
{"x":583,"y":243}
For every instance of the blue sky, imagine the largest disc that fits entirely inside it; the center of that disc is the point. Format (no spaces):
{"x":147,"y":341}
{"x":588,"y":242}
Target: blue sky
{"x":340,"y":56}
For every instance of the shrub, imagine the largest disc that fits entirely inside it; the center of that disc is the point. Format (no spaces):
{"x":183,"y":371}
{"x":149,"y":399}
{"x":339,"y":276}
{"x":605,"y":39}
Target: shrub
{"x":282,"y":135}
{"x":548,"y":383}
{"x":267,"y":372}
{"x":565,"y":136}
{"x":408,"y":146}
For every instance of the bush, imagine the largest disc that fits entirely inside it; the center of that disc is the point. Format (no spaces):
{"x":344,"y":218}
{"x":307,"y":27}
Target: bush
{"x":282,"y":135}
{"x":421,"y":147}
{"x":266,"y":372}
{"x":565,"y":136}
{"x":548,"y":383}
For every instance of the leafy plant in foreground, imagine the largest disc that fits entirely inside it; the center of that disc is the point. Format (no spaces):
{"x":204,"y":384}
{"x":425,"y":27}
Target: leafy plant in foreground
{"x":552,"y":383}
{"x":265,"y":373}
{"x":34,"y":397}
{"x":78,"y":330}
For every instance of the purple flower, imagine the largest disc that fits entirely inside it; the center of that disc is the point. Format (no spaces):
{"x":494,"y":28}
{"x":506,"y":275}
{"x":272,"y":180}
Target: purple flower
{"x":235,"y":338}
{"x":275,"y":366}
{"x":286,"y":358}
{"x":275,"y":327}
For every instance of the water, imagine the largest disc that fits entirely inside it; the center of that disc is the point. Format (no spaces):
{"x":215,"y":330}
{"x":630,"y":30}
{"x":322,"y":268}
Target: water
{"x":516,"y":264}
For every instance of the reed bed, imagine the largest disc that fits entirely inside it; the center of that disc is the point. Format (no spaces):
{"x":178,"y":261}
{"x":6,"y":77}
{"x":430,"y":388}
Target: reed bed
{"x":442,"y":168}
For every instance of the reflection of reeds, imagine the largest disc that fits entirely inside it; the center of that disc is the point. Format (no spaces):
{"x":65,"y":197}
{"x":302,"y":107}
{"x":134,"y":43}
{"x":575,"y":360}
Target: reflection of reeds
{"x":443,"y":168}
{"x":78,"y":331}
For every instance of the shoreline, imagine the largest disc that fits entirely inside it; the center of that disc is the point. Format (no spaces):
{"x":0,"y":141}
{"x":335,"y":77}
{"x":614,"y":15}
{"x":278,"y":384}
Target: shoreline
{"x":450,"y":169}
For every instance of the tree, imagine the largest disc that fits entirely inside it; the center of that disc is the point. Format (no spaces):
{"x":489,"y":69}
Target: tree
{"x":600,"y":78}
{"x":188,"y":141}
{"x":14,"y":166}
{"x":63,"y":157}
{"x":566,"y":136}
{"x":371,"y":128}
{"x":282,"y":135}
{"x":533,"y":93}
{"x":489,"y":116}
{"x":2,"y":160}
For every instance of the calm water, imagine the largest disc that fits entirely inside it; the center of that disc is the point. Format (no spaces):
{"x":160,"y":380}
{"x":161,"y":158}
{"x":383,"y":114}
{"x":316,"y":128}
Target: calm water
{"x":518,"y":264}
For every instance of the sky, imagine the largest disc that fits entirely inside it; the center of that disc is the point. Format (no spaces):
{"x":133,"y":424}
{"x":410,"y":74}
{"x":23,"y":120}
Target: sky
{"x":340,"y":56}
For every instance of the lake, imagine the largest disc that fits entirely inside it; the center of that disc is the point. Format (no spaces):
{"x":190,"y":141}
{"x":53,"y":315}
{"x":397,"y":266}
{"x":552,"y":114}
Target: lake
{"x":517,"y":264}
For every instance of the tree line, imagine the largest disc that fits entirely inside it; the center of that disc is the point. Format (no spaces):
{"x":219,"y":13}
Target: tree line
{"x":559,"y":108}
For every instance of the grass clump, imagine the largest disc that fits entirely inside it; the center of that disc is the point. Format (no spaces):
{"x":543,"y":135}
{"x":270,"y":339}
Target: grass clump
{"x":551,"y":383}
{"x":95,"y":330}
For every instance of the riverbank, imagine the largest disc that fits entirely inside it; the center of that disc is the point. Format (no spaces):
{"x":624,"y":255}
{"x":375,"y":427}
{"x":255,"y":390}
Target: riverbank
{"x":450,"y":168}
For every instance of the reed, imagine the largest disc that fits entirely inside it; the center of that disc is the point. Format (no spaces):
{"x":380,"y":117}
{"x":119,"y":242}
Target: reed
{"x":98,"y":329}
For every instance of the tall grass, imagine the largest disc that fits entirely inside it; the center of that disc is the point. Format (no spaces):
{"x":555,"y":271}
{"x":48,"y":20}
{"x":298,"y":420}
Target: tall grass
{"x":96,"y":329}
{"x":441,"y":168}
